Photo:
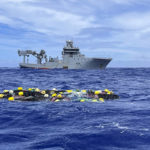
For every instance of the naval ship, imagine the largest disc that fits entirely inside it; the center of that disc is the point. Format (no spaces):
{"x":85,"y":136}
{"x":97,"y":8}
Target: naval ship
{"x":71,"y":59}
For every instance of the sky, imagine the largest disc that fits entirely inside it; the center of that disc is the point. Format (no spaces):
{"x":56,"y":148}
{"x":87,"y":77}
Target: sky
{"x":117,"y":29}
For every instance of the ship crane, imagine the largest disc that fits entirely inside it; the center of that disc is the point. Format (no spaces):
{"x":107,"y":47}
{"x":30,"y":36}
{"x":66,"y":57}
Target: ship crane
{"x":40,"y":56}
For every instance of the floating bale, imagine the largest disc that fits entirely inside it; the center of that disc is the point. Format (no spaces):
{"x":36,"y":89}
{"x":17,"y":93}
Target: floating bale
{"x":35,"y":94}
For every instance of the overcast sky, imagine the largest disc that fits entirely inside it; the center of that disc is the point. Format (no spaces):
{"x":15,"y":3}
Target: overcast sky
{"x":119,"y":29}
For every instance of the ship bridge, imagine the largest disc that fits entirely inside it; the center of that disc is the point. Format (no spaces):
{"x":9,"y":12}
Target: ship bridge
{"x":69,"y":49}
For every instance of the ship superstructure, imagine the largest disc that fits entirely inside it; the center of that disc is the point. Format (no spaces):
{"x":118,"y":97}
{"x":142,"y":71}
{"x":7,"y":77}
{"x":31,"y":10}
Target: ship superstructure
{"x":71,"y":59}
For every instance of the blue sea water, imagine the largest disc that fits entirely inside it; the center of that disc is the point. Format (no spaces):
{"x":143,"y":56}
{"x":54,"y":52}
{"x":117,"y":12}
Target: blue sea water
{"x":113,"y":125}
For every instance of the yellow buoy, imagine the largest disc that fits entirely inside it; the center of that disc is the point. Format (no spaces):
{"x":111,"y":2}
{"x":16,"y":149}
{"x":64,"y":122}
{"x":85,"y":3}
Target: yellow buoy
{"x":43,"y":92}
{"x":59,"y":96}
{"x":106,"y":90}
{"x":53,"y":95}
{"x":20,"y":88}
{"x":101,"y":99}
{"x":57,"y":100}
{"x":97,"y":92}
{"x":69,"y":91}
{"x":83,"y":91}
{"x":5,"y":91}
{"x":1,"y":95}
{"x":94,"y":100}
{"x":11,"y":98}
{"x":29,"y":89}
{"x":20,"y":93}
{"x":82,"y":100}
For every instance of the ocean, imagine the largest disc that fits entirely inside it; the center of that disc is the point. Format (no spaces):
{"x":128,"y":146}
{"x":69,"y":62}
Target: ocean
{"x":122,"y":124}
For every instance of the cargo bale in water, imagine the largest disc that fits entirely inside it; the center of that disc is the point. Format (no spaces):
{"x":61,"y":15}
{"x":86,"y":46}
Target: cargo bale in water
{"x":71,"y":59}
{"x":54,"y":95}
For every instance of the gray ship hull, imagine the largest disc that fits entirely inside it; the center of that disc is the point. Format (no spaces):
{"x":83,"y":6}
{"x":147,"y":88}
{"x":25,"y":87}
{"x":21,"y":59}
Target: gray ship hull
{"x":91,"y":63}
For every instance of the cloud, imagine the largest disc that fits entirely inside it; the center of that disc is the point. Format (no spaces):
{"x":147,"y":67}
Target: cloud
{"x":17,"y":1}
{"x":5,"y":20}
{"x":134,"y":30}
{"x":41,"y":19}
{"x":124,"y":1}
{"x":133,"y":20}
{"x":130,"y":2}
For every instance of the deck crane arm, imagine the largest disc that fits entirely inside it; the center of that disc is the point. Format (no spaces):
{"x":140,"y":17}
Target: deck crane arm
{"x":39,"y":56}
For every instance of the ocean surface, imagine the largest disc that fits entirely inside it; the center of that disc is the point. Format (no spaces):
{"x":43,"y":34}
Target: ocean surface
{"x":122,"y":124}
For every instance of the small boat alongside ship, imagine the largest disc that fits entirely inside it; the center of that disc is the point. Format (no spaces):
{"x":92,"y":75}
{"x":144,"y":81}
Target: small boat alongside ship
{"x":71,"y":59}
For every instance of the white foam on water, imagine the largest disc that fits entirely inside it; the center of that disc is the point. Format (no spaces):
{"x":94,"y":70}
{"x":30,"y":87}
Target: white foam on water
{"x":119,"y":126}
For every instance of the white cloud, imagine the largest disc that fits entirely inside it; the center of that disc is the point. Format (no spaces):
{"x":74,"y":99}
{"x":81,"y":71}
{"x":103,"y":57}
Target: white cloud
{"x":5,"y":20}
{"x":17,"y":1}
{"x":124,"y":1}
{"x":133,"y":20}
{"x":41,"y":19}
{"x":130,"y":2}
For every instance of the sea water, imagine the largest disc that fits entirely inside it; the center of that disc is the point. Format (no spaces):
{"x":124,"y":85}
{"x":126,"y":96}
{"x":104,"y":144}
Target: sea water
{"x":112,"y":125}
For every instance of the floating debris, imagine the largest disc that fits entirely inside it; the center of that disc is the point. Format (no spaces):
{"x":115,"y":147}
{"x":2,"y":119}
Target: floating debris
{"x":54,"y":95}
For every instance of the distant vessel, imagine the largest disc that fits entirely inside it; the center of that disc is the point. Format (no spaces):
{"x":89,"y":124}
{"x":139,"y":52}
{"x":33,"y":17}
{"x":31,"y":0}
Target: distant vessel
{"x":71,"y":59}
